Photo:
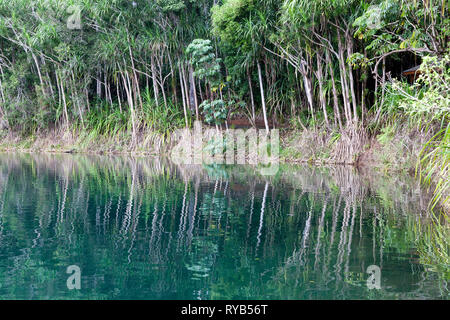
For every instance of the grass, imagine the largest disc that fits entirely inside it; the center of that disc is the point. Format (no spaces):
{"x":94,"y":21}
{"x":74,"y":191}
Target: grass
{"x":434,"y":166}
{"x":107,"y":129}
{"x":433,"y":244}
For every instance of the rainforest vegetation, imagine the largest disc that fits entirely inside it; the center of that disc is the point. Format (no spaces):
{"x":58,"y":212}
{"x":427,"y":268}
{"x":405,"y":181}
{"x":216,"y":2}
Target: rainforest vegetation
{"x":134,"y":71}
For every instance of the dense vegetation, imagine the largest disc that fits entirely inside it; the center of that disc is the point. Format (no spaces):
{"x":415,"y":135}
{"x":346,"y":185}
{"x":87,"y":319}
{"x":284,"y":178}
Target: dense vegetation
{"x":126,"y":67}
{"x":315,"y":59}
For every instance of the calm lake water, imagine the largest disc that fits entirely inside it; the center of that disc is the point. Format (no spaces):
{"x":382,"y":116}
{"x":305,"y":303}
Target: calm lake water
{"x":147,"y":229}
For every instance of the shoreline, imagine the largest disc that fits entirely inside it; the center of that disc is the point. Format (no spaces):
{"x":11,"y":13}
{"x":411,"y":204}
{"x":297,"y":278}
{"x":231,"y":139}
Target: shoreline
{"x":362,"y":166}
{"x":296,"y":147}
{"x":393,"y":153}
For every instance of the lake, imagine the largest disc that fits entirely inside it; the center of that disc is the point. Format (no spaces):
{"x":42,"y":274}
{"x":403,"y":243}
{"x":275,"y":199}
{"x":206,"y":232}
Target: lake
{"x":140,"y":228}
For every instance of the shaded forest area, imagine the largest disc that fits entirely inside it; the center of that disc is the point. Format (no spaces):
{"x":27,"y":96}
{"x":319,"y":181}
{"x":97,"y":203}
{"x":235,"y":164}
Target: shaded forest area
{"x":130,"y":69}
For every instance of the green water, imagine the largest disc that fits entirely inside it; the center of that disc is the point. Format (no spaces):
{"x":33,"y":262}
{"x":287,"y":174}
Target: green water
{"x":148,"y":229}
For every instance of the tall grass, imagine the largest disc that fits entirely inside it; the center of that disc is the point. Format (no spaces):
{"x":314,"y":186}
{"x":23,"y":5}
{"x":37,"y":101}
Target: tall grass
{"x":432,"y":240}
{"x":110,"y":121}
{"x":162,"y":118}
{"x":107,"y":120}
{"x":434,"y":166}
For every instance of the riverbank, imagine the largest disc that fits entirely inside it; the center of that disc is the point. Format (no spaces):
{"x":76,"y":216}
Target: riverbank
{"x":396,"y":148}
{"x":77,"y":141}
{"x":393,"y":149}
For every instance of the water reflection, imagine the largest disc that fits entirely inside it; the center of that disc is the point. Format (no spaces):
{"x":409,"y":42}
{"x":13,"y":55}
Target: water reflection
{"x":145,"y":228}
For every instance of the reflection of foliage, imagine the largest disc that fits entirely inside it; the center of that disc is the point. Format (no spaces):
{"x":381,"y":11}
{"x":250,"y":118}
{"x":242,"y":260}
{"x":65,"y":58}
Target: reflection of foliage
{"x":144,"y":229}
{"x":216,"y":170}
{"x":201,"y":257}
{"x":216,"y":146}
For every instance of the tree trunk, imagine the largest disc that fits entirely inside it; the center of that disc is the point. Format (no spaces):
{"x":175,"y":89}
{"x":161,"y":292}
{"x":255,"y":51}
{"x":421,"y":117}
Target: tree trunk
{"x":344,"y":84}
{"x":319,"y":75}
{"x":136,"y":79}
{"x":193,"y":92}
{"x":155,"y":85}
{"x":127,"y":85}
{"x":2,"y":95}
{"x":39,"y":74}
{"x":66,"y":114}
{"x":308,"y":86}
{"x":183,"y":97}
{"x":99,"y":85}
{"x":350,"y":76}
{"x":252,"y":99}
{"x":335,"y":96}
{"x":263,"y":100}
{"x":186,"y":91}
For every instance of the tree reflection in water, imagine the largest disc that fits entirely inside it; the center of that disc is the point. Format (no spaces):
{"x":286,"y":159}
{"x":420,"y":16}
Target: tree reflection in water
{"x":145,"y":228}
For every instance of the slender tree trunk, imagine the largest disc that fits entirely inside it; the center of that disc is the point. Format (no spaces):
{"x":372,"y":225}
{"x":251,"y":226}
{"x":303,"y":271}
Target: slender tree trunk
{"x":308,"y":87}
{"x":383,"y":83}
{"x":383,"y":79}
{"x":319,"y":75}
{"x":66,"y":115}
{"x":263,"y":100}
{"x":193,"y":92}
{"x":48,"y":80}
{"x":186,"y":91}
{"x":2,"y":95}
{"x":99,"y":85}
{"x":344,"y":84}
{"x":183,"y":97}
{"x":155,"y":85}
{"x":136,"y":79}
{"x":39,"y":74}
{"x":252,"y":99}
{"x":199,"y":84}
{"x":118,"y":95}
{"x":87,"y":98}
{"x":184,"y":84}
{"x":335,"y":96}
{"x":127,"y":86}
{"x":363,"y":98}
{"x":164,"y":96}
{"x":349,"y":41}
{"x":59,"y":88}
{"x":173,"y":81}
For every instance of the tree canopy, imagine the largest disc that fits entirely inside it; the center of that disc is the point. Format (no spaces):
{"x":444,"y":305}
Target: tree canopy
{"x":312,"y":61}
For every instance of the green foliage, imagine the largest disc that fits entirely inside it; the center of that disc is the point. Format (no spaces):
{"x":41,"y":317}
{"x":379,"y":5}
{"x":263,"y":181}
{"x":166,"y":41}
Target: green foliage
{"x":216,"y":111}
{"x":433,"y":100}
{"x":229,"y":22}
{"x":427,"y":102}
{"x":202,"y":57}
{"x":418,"y":26}
{"x":386,"y":135}
{"x":434,"y":166}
